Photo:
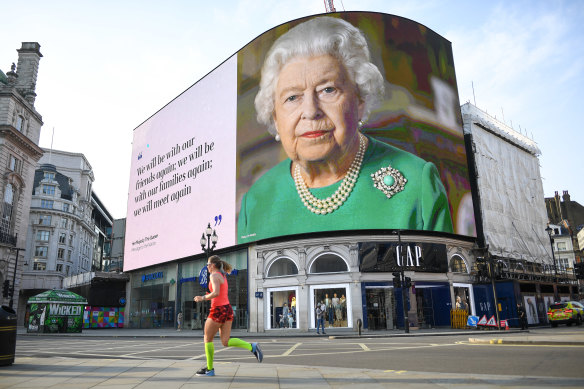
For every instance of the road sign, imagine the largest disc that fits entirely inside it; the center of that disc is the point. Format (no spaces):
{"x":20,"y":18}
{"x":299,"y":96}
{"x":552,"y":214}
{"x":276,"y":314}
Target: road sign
{"x":492,"y":322}
{"x":472,"y":321}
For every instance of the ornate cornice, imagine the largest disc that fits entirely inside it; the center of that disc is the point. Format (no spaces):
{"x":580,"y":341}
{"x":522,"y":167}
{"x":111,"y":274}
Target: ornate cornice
{"x":23,"y":142}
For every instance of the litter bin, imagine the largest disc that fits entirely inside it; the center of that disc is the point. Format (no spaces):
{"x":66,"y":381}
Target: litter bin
{"x":7,"y":335}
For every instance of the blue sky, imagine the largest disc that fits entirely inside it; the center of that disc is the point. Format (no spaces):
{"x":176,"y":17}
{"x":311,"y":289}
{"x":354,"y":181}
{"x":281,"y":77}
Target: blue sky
{"x":109,"y":65}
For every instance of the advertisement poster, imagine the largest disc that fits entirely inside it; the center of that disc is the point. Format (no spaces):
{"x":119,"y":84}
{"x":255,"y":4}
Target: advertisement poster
{"x":55,"y":311}
{"x":353,"y":124}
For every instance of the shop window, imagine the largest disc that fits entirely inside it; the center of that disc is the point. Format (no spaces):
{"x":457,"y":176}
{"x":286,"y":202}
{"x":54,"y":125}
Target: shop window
{"x":337,"y":307}
{"x":282,"y":267}
{"x":457,"y":265}
{"x":328,"y":263}
{"x":462,"y":298}
{"x":189,"y":285}
{"x":283,"y":309}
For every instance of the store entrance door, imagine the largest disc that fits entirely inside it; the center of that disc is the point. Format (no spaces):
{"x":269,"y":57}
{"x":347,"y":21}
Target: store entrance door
{"x":380,"y":309}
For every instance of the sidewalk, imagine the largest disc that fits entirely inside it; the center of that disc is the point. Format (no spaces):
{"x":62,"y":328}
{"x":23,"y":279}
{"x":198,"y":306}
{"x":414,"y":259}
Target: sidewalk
{"x":112,"y":373}
{"x":76,"y":373}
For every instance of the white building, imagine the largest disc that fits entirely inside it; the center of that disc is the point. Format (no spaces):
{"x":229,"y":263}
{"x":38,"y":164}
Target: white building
{"x":563,"y":249}
{"x":61,"y":232}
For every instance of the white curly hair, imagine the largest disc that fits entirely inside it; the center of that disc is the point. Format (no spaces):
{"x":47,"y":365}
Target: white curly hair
{"x":320,"y":36}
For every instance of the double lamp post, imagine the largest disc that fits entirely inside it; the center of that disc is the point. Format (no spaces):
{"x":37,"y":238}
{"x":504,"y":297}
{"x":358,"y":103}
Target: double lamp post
{"x":209,"y":240}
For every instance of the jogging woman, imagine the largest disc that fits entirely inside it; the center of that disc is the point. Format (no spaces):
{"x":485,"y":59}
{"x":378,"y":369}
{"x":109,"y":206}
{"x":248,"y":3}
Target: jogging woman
{"x":220,"y":316}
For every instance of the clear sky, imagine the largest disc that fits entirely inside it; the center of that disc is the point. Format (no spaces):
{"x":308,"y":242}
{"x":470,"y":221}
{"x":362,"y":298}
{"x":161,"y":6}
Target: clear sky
{"x":109,"y":65}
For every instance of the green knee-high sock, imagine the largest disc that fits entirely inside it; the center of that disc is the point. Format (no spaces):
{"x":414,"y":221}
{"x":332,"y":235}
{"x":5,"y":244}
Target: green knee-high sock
{"x":235,"y":342}
{"x":209,"y":352}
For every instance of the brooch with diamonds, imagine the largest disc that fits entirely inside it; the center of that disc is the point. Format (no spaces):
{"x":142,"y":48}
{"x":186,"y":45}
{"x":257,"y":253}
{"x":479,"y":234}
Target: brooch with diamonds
{"x":389,"y":180}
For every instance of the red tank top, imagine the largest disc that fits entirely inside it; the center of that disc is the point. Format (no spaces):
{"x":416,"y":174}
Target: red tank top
{"x":222,"y":299}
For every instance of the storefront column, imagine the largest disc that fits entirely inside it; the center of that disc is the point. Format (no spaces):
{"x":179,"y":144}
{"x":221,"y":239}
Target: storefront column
{"x":303,"y":305}
{"x":129,"y":308}
{"x":356,"y":304}
{"x":258,"y":305}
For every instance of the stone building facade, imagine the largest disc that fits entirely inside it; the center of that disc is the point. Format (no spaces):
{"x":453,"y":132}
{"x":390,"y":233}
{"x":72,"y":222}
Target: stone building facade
{"x":61,"y":231}
{"x":20,"y":127}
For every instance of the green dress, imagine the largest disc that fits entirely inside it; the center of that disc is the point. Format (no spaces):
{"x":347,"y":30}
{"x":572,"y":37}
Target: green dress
{"x":272,"y":206}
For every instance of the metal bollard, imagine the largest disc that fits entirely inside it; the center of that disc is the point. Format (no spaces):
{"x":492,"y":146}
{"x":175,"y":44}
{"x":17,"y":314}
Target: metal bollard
{"x":359,"y":325}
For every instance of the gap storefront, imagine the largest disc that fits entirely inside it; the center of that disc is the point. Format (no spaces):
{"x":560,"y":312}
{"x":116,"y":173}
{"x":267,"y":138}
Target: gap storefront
{"x":159,"y":293}
{"x":353,"y":278}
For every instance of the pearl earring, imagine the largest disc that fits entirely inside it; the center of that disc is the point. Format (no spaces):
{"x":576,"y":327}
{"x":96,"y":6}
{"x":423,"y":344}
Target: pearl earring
{"x":277,"y":137}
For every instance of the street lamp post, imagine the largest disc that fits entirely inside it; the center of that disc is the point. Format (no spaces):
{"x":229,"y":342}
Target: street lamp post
{"x":549,"y":231}
{"x":13,"y":288}
{"x":209,"y":240}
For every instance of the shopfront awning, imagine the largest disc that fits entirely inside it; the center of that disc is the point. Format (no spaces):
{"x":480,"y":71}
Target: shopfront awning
{"x":60,"y":296}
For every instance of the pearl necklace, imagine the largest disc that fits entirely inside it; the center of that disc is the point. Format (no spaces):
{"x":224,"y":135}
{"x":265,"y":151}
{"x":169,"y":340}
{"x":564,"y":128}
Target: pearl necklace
{"x":333,"y":202}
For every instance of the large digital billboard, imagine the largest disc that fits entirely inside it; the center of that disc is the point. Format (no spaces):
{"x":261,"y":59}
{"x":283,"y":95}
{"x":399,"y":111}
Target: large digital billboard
{"x":345,"y":121}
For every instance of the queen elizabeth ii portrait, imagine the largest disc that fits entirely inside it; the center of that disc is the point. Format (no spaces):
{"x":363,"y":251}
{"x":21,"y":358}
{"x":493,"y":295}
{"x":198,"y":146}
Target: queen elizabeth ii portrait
{"x":317,"y":89}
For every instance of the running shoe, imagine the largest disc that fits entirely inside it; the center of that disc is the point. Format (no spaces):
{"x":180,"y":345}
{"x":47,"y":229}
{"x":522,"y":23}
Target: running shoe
{"x":206,"y":372}
{"x":257,"y":351}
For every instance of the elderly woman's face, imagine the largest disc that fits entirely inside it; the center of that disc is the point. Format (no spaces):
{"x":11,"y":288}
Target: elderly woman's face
{"x":316,"y":109}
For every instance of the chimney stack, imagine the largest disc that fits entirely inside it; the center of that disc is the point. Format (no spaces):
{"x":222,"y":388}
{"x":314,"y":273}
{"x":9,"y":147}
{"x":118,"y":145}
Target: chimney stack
{"x":29,"y":56}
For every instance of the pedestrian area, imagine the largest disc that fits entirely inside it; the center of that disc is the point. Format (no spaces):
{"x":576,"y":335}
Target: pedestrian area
{"x":64,"y":373}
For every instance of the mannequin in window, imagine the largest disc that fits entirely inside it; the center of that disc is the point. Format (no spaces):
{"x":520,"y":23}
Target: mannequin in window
{"x":293,"y":306}
{"x":330,"y":313}
{"x":337,"y":307}
{"x":344,"y":306}
{"x":285,"y":312}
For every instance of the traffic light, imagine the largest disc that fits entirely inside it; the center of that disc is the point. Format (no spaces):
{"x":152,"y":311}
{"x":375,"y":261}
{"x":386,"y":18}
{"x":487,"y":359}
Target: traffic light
{"x":408,"y":283}
{"x":396,"y":280}
{"x":6,"y":289}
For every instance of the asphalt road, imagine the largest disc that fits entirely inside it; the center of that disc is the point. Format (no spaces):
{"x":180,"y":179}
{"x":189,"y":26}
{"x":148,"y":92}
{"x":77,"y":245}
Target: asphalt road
{"x":445,"y":354}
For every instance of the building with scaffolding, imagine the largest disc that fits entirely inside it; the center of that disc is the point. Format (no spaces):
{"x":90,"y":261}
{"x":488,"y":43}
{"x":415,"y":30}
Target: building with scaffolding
{"x":513,"y":245}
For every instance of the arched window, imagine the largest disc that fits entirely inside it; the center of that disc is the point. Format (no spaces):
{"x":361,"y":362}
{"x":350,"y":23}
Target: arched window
{"x":457,"y":265}
{"x":328,"y":263}
{"x":282,"y":267}
{"x":6,"y":222}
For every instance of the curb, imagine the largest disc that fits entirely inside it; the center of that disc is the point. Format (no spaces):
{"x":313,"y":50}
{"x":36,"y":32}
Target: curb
{"x":530,"y":342}
{"x":266,"y":335}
